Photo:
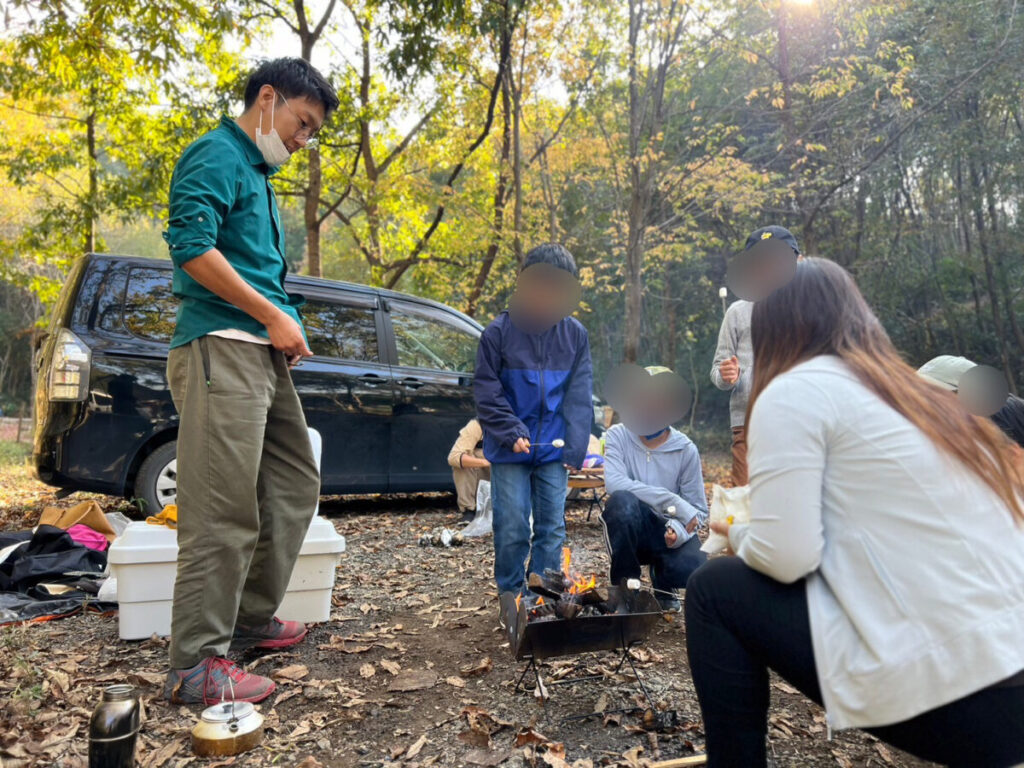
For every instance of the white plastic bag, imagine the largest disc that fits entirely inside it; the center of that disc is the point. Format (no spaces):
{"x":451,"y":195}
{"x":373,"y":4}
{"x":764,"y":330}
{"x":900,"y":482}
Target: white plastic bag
{"x":108,"y":590}
{"x":730,"y":505}
{"x":481,"y":525}
{"x":117,"y":521}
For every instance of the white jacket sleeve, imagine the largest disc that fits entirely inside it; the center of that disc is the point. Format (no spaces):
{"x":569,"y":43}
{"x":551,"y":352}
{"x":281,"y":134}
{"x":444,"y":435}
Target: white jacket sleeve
{"x":787,"y":449}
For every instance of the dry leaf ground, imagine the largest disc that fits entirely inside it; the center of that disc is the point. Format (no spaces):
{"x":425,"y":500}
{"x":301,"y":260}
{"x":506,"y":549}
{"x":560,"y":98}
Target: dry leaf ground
{"x":410,"y":671}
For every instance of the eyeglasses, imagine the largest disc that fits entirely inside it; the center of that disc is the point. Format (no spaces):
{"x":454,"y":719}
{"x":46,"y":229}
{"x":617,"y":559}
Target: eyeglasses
{"x":306,"y":132}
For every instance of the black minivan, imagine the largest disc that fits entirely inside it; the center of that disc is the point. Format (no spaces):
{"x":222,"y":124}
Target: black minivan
{"x":388,"y":387}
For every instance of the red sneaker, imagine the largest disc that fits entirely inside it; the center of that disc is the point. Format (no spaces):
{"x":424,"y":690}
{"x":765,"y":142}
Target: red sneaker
{"x":215,"y":679}
{"x":274,"y":634}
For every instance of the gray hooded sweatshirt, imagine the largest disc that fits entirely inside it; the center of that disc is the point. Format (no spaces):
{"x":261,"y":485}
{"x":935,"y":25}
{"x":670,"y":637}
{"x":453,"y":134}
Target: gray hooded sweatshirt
{"x":734,"y":339}
{"x":667,"y":476}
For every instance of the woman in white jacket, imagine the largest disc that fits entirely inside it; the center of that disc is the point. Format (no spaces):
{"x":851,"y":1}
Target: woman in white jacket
{"x":882,"y":572}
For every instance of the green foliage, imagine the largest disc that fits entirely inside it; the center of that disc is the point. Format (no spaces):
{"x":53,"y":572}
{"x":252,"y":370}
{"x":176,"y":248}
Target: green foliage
{"x":100,"y":99}
{"x":887,"y":136}
{"x":14,"y":453}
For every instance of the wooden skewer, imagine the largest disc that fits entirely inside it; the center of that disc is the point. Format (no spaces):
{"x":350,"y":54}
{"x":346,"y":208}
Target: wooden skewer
{"x":680,"y":762}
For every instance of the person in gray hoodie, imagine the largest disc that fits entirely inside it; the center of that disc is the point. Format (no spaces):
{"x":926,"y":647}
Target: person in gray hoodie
{"x":733,"y":367}
{"x":656,"y":505}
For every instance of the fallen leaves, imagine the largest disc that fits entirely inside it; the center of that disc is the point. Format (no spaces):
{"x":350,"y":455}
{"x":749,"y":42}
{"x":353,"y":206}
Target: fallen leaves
{"x":291,"y":673}
{"x":486,"y":757}
{"x":413,"y":680}
{"x":437,"y":697}
{"x":415,"y":748}
{"x":482,"y":667}
{"x":164,"y":753}
{"x":782,"y":685}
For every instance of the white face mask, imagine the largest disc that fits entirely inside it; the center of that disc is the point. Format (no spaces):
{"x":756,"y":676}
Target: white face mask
{"x":270,"y":144}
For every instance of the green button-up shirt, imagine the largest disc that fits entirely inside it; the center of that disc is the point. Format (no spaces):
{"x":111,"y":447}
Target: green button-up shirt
{"x":221,"y":198}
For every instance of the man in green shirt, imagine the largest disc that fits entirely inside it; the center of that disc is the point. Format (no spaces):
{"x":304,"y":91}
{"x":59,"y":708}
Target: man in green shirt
{"x":247,"y":480}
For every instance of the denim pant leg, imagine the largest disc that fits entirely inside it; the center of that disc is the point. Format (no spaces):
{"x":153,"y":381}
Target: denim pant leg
{"x":549,"y":484}
{"x":510,"y":497}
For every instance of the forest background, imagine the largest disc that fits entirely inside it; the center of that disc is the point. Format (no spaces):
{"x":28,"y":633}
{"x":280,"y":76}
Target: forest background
{"x":648,"y":136}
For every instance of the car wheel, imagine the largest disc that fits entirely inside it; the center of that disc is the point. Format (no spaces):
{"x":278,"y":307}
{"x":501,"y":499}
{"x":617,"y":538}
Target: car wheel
{"x":156,"y":485}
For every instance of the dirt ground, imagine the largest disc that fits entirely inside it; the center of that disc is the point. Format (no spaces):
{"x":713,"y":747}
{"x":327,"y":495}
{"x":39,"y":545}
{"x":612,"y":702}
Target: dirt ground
{"x":411,"y":670}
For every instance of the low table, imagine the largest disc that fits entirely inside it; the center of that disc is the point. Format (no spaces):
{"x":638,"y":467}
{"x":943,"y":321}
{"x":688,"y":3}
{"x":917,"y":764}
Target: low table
{"x":590,"y":479}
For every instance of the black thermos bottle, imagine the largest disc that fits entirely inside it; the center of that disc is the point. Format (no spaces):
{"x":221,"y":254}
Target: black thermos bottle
{"x":114,"y":728}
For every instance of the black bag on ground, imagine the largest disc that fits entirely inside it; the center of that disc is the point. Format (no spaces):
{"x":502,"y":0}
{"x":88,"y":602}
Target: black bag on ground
{"x":51,"y":555}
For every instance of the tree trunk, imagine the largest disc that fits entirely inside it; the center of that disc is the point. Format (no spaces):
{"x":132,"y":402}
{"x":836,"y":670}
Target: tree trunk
{"x":92,"y":204}
{"x":965,"y":234}
{"x":997,"y":255}
{"x":637,"y":194}
{"x":517,"y":151}
{"x":549,"y":195}
{"x":314,"y":185}
{"x":990,"y":280}
{"x":472,"y":303}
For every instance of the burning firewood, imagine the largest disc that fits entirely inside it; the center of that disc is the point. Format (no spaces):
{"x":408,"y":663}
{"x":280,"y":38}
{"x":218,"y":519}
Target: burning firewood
{"x":565,"y":609}
{"x":546,"y":586}
{"x":593,"y":596}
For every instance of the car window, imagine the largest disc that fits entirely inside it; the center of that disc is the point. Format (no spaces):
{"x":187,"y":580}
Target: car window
{"x":425,"y":341}
{"x":149,"y":308}
{"x":337,"y":330}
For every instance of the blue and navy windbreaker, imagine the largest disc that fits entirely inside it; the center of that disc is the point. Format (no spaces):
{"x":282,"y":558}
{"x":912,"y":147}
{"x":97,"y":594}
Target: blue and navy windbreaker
{"x":536,"y":386}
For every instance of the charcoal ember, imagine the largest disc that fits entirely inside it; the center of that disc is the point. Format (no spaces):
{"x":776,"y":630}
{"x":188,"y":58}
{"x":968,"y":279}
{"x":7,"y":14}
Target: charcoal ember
{"x":543,"y":610}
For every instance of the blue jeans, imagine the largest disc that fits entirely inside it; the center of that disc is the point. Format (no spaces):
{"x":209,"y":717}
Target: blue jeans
{"x":516,"y":490}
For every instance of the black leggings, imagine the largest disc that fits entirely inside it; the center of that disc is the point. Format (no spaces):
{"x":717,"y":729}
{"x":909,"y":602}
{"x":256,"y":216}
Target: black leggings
{"x":740,"y":622}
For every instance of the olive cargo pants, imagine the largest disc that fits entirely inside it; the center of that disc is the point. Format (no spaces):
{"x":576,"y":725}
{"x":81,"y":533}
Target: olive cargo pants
{"x":247,"y":489}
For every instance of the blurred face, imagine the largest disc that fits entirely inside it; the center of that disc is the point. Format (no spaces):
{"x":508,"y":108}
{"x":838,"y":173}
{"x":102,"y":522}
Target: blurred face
{"x":544,"y":295}
{"x":761,"y":269}
{"x":983,"y":390}
{"x":647,"y":404}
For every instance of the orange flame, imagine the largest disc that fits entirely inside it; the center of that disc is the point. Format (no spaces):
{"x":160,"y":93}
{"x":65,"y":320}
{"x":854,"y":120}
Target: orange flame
{"x":540,"y":601}
{"x":518,"y":600}
{"x":578,"y":583}
{"x":581,"y":584}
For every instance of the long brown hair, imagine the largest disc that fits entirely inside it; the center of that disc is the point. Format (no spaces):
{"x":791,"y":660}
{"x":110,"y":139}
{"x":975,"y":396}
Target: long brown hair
{"x":822,"y":312}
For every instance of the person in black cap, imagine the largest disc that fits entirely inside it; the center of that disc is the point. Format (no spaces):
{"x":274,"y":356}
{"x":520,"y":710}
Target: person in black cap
{"x":733,"y":365}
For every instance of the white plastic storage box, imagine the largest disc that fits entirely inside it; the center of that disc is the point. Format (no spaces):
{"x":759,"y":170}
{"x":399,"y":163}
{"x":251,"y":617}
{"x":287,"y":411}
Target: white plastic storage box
{"x":144,"y":560}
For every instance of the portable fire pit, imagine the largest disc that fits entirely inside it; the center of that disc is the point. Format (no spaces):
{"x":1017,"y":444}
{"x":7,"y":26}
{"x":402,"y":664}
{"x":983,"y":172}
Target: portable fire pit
{"x":574,"y":617}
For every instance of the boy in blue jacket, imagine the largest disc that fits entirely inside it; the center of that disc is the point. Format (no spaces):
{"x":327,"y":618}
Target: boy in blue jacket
{"x":533,"y":388}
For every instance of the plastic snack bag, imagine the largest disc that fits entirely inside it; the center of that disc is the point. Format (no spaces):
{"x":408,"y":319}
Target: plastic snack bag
{"x":728,"y":505}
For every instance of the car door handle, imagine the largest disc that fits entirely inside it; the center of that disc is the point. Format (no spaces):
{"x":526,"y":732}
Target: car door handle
{"x":372,"y":378}
{"x":410,"y":382}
